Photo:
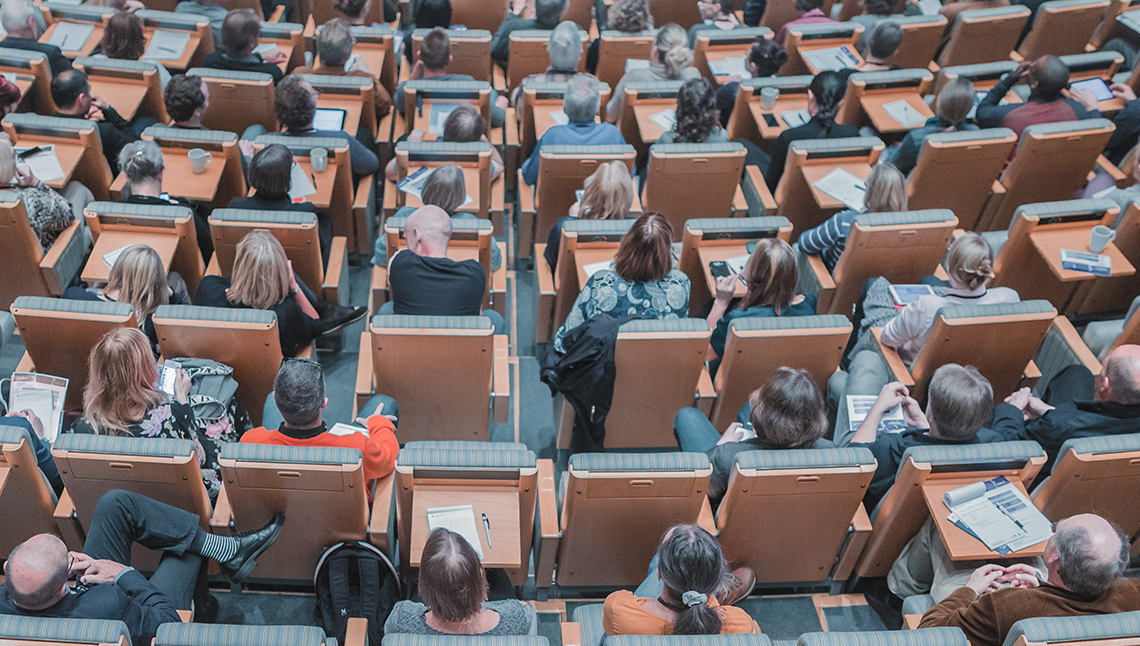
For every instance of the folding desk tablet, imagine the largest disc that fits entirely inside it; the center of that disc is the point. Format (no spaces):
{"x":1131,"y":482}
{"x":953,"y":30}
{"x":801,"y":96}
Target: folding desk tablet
{"x":717,"y":46}
{"x":74,"y":20}
{"x":708,"y":240}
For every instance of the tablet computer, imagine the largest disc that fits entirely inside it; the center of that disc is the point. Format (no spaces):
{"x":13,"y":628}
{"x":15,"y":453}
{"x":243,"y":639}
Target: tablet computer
{"x":1098,"y":88}
{"x":903,"y":294}
{"x":329,"y":119}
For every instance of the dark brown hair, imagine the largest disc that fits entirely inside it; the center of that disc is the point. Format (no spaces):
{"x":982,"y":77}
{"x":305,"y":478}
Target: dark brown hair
{"x":771,"y":275}
{"x":270,"y":171}
{"x":183,"y":96}
{"x":240,"y":30}
{"x":646,"y":252}
{"x":435,"y":51}
{"x":690,"y":560}
{"x":293,"y":104}
{"x":788,"y":412}
{"x":452,"y":581}
{"x":123,"y":38}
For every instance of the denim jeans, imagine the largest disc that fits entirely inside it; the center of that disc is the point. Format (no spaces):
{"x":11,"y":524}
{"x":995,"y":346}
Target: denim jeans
{"x":379,"y":404}
{"x":695,"y":433}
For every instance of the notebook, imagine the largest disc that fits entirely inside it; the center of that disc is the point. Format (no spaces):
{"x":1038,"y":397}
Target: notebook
{"x":70,"y":36}
{"x":904,"y":113}
{"x":43,"y":164}
{"x":844,"y":187}
{"x":300,"y":184}
{"x":166,"y":45}
{"x":459,"y":519}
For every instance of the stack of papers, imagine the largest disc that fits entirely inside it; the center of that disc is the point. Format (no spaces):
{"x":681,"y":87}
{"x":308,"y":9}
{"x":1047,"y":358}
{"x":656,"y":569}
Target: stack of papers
{"x":1090,"y":263}
{"x":736,"y":264}
{"x":832,"y":58}
{"x":70,"y":36}
{"x":459,"y":519}
{"x":167,"y":45}
{"x":904,"y":113}
{"x":439,"y":114}
{"x":858,"y":406}
{"x":844,"y":187}
{"x":559,"y":117}
{"x":42,"y":394}
{"x":44,"y":164}
{"x":414,"y":185}
{"x":998,"y":514}
{"x":300,"y":185}
{"x":730,"y":67}
{"x":795,"y":118}
{"x":667,"y":118}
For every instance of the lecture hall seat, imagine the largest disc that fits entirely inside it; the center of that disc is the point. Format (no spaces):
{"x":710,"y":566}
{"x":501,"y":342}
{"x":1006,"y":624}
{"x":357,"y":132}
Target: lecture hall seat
{"x":28,"y":269}
{"x":51,"y":631}
{"x":25,"y":494}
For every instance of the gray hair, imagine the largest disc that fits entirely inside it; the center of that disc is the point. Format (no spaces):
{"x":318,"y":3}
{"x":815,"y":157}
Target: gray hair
{"x":1121,"y":372}
{"x":335,"y":42}
{"x":14,"y":14}
{"x":565,"y":46}
{"x":547,"y":13}
{"x":582,"y":100}
{"x":299,"y":391}
{"x":1081,"y":569}
{"x":141,"y":160}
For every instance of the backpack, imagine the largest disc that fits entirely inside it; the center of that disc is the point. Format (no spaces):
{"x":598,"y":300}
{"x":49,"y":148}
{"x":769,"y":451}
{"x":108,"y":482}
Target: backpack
{"x":219,"y":416}
{"x":355,"y":579}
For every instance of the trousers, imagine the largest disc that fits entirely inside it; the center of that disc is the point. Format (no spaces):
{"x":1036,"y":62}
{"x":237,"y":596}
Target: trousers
{"x":866,"y":375}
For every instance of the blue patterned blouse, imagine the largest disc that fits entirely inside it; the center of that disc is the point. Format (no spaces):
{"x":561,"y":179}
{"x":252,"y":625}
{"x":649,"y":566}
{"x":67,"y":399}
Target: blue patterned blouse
{"x":667,"y":298}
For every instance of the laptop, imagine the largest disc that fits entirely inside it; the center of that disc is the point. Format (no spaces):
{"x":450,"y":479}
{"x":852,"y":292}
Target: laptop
{"x":329,"y":119}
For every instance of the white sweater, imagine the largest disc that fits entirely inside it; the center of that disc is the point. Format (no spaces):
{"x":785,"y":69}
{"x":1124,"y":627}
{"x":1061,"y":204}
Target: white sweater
{"x":909,"y":331}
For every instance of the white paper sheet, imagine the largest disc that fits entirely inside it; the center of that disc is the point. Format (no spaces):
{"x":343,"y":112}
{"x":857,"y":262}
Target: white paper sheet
{"x":44,"y":164}
{"x":858,"y":406}
{"x":347,"y":429}
{"x":264,"y":47}
{"x":167,"y":45}
{"x":998,"y":514}
{"x":459,"y":519}
{"x":667,"y":118}
{"x":111,"y":257}
{"x":930,"y":7}
{"x":832,"y":58}
{"x":559,"y":117}
{"x":795,"y":118}
{"x":300,"y":185}
{"x":44,"y":395}
{"x":736,"y":264}
{"x":904,"y":113}
{"x":438,"y":116}
{"x":730,"y":67}
{"x":70,"y":36}
{"x":595,"y":267}
{"x":845,"y":187}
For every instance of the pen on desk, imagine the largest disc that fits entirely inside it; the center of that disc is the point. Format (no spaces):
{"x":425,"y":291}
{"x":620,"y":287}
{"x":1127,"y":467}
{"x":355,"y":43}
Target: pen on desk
{"x":29,"y":152}
{"x":487,"y":529}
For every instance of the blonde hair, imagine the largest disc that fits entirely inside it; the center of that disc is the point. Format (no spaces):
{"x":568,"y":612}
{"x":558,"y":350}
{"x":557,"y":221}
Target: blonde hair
{"x":261,"y":272}
{"x":673,"y":51}
{"x":971,"y":261}
{"x":7,"y":160}
{"x":886,"y":189}
{"x":955,"y":101}
{"x":608,"y":194}
{"x":120,"y":382}
{"x":139,"y":278}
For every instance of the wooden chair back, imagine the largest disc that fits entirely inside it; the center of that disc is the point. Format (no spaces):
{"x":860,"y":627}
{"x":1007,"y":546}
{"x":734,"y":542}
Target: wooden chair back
{"x":780,"y":12}
{"x":710,"y":239}
{"x":865,"y":87}
{"x":810,"y":160}
{"x":26,"y":495}
{"x":802,"y":38}
{"x":296,"y":231}
{"x":473,"y":158}
{"x":421,"y":96}
{"x":984,"y":35}
{"x":921,"y":36}
{"x":147,"y":219}
{"x":616,"y":48}
{"x":36,"y":72}
{"x":28,"y":269}
{"x":719,"y":45}
{"x":583,"y":242}
{"x":470,"y":240}
{"x":222,"y":145}
{"x":1062,"y":27}
{"x":973,"y":158}
{"x":132,"y":87}
{"x":475,"y":14}
{"x":1114,"y":294}
{"x":674,"y":169}
{"x":528,"y":54}
{"x":197,"y":25}
{"x":238,"y":100}
{"x":546,"y":96}
{"x":641,"y":100}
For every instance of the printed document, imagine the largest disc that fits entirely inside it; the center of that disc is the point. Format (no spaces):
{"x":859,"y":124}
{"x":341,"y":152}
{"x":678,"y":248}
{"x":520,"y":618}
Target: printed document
{"x":730,"y":67}
{"x":300,"y":185}
{"x":167,"y":45}
{"x":459,"y":519}
{"x":667,"y":118}
{"x":42,"y":394}
{"x":44,"y":164}
{"x":998,"y":514}
{"x":795,"y":118}
{"x":858,"y":406}
{"x":832,"y":59}
{"x":439,"y":114}
{"x":904,"y":113}
{"x":845,"y":187}
{"x":595,"y":267}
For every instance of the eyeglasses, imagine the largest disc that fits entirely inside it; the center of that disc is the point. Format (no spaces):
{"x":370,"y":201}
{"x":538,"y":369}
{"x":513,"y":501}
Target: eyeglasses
{"x":303,"y":360}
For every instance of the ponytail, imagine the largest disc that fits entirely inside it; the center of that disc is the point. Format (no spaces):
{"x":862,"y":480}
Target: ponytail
{"x":672,"y":51}
{"x":692,"y":567}
{"x":699,"y":619}
{"x":828,"y":89}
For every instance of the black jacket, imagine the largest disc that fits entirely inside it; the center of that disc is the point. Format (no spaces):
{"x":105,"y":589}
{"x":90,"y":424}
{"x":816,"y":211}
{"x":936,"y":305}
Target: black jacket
{"x":814,"y":129}
{"x":1080,"y":418}
{"x":219,"y":61}
{"x":201,"y":219}
{"x":114,"y":133}
{"x":56,"y":59}
{"x":1127,"y":123}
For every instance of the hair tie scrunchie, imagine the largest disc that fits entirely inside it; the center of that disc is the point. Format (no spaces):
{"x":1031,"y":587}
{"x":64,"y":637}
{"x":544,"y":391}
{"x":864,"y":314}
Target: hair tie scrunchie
{"x":694,"y":598}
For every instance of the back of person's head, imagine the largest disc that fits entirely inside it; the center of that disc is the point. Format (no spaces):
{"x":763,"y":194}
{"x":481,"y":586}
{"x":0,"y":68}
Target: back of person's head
{"x":452,"y":582}
{"x":433,"y":13}
{"x":445,"y":188}
{"x":955,"y":100}
{"x":804,"y":6}
{"x":1092,"y":554}
{"x":335,"y":42}
{"x":691,"y":566}
{"x":884,"y":39}
{"x":727,"y":7}
{"x":140,"y":279}
{"x":582,"y":99}
{"x":9,"y":96}
{"x":1051,"y":75}
{"x":1122,"y":370}
{"x":672,"y":50}
{"x":141,"y":161}
{"x":886,"y":189}
{"x":350,"y":8}
{"x":261,"y":271}
{"x":435,"y":51}
{"x":767,"y":56}
{"x":464,"y":125}
{"x":789,"y":411}
{"x":565,"y":46}
{"x":429,"y":225}
{"x":67,"y":86}
{"x":646,"y":252}
{"x":299,"y":392}
{"x":121,"y":378}
{"x":123,"y":37}
{"x":14,"y":14}
{"x":607,"y":193}
{"x":960,"y":402}
{"x":294,"y":103}
{"x":240,"y":31}
{"x":183,"y":96}
{"x":547,"y":13}
{"x":697,"y":114}
{"x":828,"y":89}
{"x":970,"y":261}
{"x":270,"y":171}
{"x":630,"y":16}
{"x":36,"y":572}
{"x":879,"y":7}
{"x":771,"y":275}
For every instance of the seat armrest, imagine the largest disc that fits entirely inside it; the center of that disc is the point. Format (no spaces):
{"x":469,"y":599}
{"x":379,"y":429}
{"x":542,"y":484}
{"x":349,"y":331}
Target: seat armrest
{"x":26,"y":364}
{"x":511,"y":124}
{"x":223,"y":514}
{"x":186,"y":616}
{"x":549,"y":532}
{"x":572,"y":634}
{"x":1061,"y":348}
{"x":68,"y":522}
{"x":1118,"y":177}
{"x":381,"y":521}
{"x":891,"y":356}
{"x":390,"y":203}
{"x":815,"y":279}
{"x":852,"y":548}
{"x":498,"y":291}
{"x":356,"y":632}
{"x":1030,"y":375}
{"x":335,"y":287}
{"x":378,"y":289}
{"x":364,"y":211}
{"x":527,"y":215}
{"x":706,"y":392}
{"x":501,"y":379}
{"x":706,"y":519}
{"x":910,"y":622}
{"x":739,"y":203}
{"x":756,"y":193}
{"x":62,"y":262}
{"x":546,"y":294}
{"x":278,"y":13}
{"x":363,"y":372}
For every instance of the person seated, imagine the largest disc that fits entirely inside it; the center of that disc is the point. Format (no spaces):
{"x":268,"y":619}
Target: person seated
{"x":297,"y":405}
{"x":565,"y":51}
{"x":270,"y":174}
{"x":607,"y":194}
{"x":37,"y":570}
{"x":143,"y":166}
{"x":1127,"y":196}
{"x":788,"y":412}
{"x":951,"y":109}
{"x":123,"y":39}
{"x":874,"y":12}
{"x":71,"y":93}
{"x":453,"y":587}
{"x":547,"y":15}
{"x":263,"y":279}
{"x":1079,"y":404}
{"x":581,"y":104}
{"x":356,"y":11}
{"x":426,"y":14}
{"x":1084,"y":562}
{"x":334,"y":46}
{"x":29,"y":421}
{"x":811,"y":13}
{"x":187,"y":99}
{"x":642,"y":282}
{"x":49,"y":213}
{"x":880,"y":43}
{"x":447,"y":189}
{"x":762,"y":60}
{"x":959,"y":407}
{"x":139,"y":280}
{"x":1127,"y":122}
{"x":20,"y":19}
{"x":698,"y":120}
{"x":670,"y":59}
{"x":886,"y":193}
{"x":627,"y":16}
{"x":10,"y":96}
{"x":295,"y":104}
{"x":240,"y":31}
{"x":434,"y":59}
{"x":212,"y":9}
{"x":1047,"y":78}
{"x":680,"y":595}
{"x":714,"y":15}
{"x":463,"y":125}
{"x":824,"y":97}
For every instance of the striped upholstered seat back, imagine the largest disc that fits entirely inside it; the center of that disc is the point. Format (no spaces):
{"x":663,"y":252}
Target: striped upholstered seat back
{"x":1089,"y":473}
{"x":295,"y":230}
{"x":923,"y":637}
{"x":25,"y":495}
{"x":52,"y":630}
{"x":174,"y":634}
{"x":1087,"y":630}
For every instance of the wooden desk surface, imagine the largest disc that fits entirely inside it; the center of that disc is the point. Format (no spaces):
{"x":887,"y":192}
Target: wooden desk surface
{"x":109,"y":240}
{"x":809,"y":48}
{"x":179,"y":180}
{"x":960,"y":545}
{"x":783,"y":104}
{"x":724,"y":53}
{"x":650,"y":131}
{"x":89,"y":46}
{"x":351,"y":105}
{"x":873,"y":105}
{"x":323,"y":182}
{"x":183,"y":61}
{"x":373,"y":54}
{"x":285,"y":45}
{"x":712,"y":253}
{"x":542,"y":119}
{"x":588,"y":255}
{"x":817,"y":171}
{"x":501,"y":504}
{"x":1050,"y":243}
{"x":25,"y":83}
{"x":68,"y":152}
{"x":125,"y":95}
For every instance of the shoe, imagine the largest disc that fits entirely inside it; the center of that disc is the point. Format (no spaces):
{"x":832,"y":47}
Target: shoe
{"x":339,"y":316}
{"x":250,"y":546}
{"x":206,"y":611}
{"x":743,"y":581}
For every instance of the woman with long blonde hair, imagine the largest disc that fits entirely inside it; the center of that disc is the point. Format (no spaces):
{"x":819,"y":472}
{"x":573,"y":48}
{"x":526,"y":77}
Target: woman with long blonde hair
{"x":669,"y":60}
{"x":607,"y":195}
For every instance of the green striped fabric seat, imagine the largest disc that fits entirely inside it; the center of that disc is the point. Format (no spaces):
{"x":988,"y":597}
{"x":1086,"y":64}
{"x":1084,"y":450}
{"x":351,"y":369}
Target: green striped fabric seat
{"x":800,"y":81}
{"x":279,"y":29}
{"x":855,"y":145}
{"x":917,"y":604}
{"x":461,"y":640}
{"x":675,"y":461}
{"x":84,"y":13}
{"x":985,"y":70}
{"x":174,"y":634}
{"x":219,"y":314}
{"x":328,"y":81}
{"x":820,"y":30}
{"x":738,"y":639}
{"x":698,"y":149}
{"x":978,"y":14}
{"x":148,"y":210}
{"x":466,"y":458}
{"x":330,"y":455}
{"x":557,"y":87}
{"x":302,"y":145}
{"x":762,"y":323}
{"x":406,"y":321}
{"x":579,"y":151}
{"x":1064,"y":207}
{"x":11,"y":57}
{"x":655,"y":87}
{"x":614,"y":33}
{"x":984,"y":455}
{"x":39,"y":124}
{"x":171,"y":20}
{"x":13,"y":435}
{"x":465,"y":445}
{"x":269,"y":217}
{"x":98,"y":62}
{"x":429,"y":86}
{"x":1091,"y":60}
{"x":958,"y":312}
{"x":466,"y":34}
{"x":229,"y":75}
{"x":457,"y":224}
{"x":970,"y":135}
{"x":1075,"y":629}
{"x":738,"y":35}
{"x":1061,"y":127}
{"x":159,"y":133}
{"x":889,"y":218}
{"x":442,"y":147}
{"x":804,"y":459}
{"x":49,"y":629}
{"x":923,"y":637}
{"x":1101,"y":445}
{"x":899,"y":19}
{"x":64,"y":305}
{"x":123,"y":445}
{"x":589,"y":619}
{"x":764,"y":223}
{"x":368,"y":33}
{"x":641,"y":326}
{"x":541,"y":33}
{"x":597,"y":226}
{"x":892,"y":77}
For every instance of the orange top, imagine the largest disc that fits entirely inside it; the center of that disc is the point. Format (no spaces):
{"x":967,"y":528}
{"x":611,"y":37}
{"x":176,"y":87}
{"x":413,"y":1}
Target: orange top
{"x":625,"y":614}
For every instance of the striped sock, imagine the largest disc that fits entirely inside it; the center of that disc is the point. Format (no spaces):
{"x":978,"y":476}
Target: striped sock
{"x":219,"y":548}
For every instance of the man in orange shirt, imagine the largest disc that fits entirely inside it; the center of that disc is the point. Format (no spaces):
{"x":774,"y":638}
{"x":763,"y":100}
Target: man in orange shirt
{"x":296,"y":405}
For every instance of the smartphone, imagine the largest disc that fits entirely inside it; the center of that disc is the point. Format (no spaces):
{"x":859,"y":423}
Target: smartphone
{"x":771,"y":121}
{"x":169,"y":374}
{"x":748,"y":433}
{"x":719,"y":268}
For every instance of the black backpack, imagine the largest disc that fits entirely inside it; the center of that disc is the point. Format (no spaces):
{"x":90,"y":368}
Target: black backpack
{"x":355,"y":579}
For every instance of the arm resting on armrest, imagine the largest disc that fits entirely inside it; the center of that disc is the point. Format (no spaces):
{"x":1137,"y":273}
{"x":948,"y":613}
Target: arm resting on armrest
{"x":894,"y":361}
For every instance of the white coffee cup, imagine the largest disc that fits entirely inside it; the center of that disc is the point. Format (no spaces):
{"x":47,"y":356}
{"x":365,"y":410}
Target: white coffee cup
{"x":768,"y":96}
{"x":319,"y":158}
{"x":1100,"y":237}
{"x":198,"y":160}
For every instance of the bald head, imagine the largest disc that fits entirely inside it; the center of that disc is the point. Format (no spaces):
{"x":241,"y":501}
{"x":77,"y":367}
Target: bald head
{"x":1087,"y":554}
{"x":428,"y":231}
{"x":1119,"y":378}
{"x":36,"y":572}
